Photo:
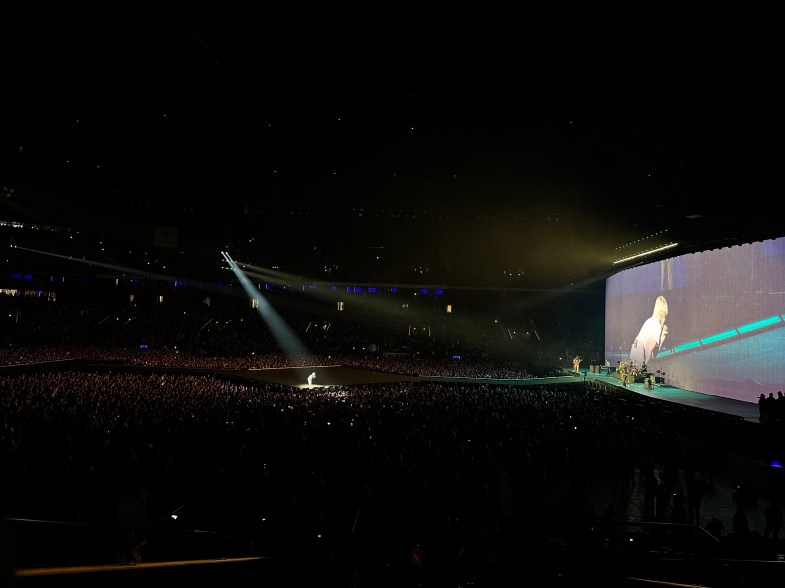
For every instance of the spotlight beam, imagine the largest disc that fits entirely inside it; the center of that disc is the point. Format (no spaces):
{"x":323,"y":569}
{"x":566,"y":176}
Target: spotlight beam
{"x":283,"y":334}
{"x":130,"y":271}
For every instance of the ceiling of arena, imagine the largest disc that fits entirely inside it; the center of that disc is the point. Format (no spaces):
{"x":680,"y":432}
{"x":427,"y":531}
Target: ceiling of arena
{"x":503,"y":144}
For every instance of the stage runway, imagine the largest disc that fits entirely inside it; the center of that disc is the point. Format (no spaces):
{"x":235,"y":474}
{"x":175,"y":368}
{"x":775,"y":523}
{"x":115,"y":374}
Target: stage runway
{"x":337,"y":375}
{"x":326,"y":376}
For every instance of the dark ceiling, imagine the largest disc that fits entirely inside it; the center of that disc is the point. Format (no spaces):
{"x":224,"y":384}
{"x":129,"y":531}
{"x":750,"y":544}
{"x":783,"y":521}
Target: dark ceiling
{"x":534,"y":138}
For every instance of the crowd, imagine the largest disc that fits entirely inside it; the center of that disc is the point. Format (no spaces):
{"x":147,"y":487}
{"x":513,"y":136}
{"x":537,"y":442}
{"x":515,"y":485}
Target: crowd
{"x":470,"y":478}
{"x":772,"y":408}
{"x":392,"y":484}
{"x":481,"y":327}
{"x":390,"y":464}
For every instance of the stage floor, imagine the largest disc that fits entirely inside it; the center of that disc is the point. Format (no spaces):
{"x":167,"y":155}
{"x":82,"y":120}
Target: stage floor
{"x":747,"y":410}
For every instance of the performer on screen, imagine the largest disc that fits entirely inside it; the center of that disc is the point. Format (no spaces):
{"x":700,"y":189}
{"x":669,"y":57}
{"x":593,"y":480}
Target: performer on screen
{"x":652,"y":334}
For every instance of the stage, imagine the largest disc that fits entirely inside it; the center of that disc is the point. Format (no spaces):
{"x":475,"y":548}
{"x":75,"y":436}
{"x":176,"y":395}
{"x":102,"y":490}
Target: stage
{"x":336,"y":375}
{"x":747,"y":410}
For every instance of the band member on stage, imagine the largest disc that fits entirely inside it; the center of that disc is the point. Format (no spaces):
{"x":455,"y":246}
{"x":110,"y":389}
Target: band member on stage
{"x":652,"y":334}
{"x":311,"y":378}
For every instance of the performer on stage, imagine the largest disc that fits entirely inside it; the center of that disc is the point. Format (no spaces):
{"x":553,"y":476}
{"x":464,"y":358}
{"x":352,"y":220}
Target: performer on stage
{"x":652,"y":335}
{"x":311,"y":378}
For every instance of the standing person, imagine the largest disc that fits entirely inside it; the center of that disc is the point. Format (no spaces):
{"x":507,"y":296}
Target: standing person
{"x":773,"y":518}
{"x":679,"y":511}
{"x":662,"y":505}
{"x":311,"y":378}
{"x":694,"y":497}
{"x":716,"y":527}
{"x":649,"y":492}
{"x":651,"y":335}
{"x":762,"y":408}
{"x":741,"y":524}
{"x":771,"y":408}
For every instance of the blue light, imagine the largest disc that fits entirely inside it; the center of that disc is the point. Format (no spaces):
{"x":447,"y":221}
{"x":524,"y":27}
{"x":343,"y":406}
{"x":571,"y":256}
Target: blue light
{"x":438,"y":292}
{"x":424,"y":290}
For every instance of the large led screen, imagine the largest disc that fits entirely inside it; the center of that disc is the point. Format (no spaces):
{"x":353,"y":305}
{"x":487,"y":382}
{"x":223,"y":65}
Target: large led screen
{"x":710,"y":322}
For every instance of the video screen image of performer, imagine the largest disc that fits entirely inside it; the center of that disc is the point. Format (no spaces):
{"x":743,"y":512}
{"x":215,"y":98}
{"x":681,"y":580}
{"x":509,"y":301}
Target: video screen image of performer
{"x":651,"y":335}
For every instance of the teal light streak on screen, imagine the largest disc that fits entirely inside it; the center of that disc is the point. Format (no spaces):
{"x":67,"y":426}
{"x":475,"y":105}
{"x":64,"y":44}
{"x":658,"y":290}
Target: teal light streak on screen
{"x":686,"y":346}
{"x":759,"y":324}
{"x":719,"y":337}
